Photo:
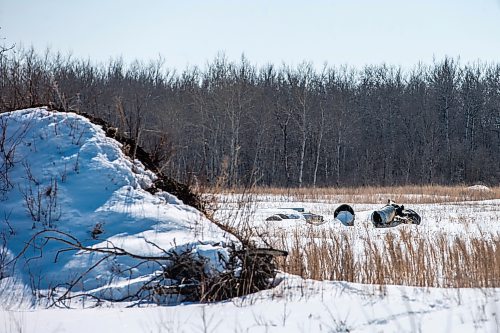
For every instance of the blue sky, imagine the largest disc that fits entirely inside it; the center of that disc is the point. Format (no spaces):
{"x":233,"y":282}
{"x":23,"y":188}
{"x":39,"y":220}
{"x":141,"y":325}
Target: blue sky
{"x":186,"y":32}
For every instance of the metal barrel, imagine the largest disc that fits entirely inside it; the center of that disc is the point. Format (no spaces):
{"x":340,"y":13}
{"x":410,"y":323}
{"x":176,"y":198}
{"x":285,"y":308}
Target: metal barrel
{"x":345,"y":215}
{"x":384,"y":216}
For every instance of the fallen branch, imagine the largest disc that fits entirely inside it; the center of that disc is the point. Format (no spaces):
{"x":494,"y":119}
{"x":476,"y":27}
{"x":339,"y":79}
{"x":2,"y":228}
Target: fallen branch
{"x":183,"y":273}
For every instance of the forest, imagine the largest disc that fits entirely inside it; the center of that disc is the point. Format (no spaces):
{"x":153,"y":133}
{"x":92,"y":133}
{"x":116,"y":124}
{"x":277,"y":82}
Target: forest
{"x":235,"y":124}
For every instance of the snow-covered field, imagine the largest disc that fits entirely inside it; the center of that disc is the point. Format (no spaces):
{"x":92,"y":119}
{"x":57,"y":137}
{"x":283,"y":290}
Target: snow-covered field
{"x":67,"y":176}
{"x":294,"y":306}
{"x":467,"y":219}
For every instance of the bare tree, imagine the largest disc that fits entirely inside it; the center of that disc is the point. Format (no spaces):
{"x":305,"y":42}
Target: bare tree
{"x":3,"y":48}
{"x":286,"y":127}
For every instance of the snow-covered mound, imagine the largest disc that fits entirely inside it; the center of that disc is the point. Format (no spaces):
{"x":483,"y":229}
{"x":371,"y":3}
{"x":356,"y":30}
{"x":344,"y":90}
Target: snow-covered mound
{"x":60,"y":172}
{"x":479,"y":188}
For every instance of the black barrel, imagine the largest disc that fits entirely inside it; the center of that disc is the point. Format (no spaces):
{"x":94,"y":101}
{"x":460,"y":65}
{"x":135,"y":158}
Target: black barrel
{"x":345,"y":215}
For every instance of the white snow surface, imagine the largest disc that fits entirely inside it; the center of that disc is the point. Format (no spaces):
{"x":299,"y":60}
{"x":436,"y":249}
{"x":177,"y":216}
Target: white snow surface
{"x":101,"y":185}
{"x":295,"y":305}
{"x":479,"y":188}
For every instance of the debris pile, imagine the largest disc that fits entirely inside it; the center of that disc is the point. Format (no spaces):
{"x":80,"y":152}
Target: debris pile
{"x":393,"y":214}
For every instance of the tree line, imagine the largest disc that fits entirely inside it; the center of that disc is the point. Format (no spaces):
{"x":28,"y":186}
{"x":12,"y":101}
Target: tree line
{"x":236,"y":124}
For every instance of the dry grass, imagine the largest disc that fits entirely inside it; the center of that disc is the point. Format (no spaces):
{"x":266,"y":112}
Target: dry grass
{"x":401,"y":258}
{"x":408,"y":194}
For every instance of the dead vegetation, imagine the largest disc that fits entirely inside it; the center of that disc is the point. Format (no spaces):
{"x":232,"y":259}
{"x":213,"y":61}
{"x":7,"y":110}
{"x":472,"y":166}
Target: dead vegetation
{"x":404,"y":257}
{"x":411,"y":194}
{"x":181,"y":274}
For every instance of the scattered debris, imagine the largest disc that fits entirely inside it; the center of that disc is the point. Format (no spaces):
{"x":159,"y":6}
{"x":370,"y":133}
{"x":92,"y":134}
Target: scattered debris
{"x":297,"y":209}
{"x":297,"y":213}
{"x":282,"y":216}
{"x":314,"y":219}
{"x":275,"y":217}
{"x":393,"y":214}
{"x":285,"y":214}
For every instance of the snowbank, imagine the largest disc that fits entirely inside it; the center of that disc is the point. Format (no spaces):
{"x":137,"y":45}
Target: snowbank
{"x":60,"y":172}
{"x":479,"y":188}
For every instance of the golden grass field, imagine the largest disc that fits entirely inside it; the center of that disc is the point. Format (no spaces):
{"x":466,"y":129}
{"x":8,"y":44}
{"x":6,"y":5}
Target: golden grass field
{"x":409,"y":194}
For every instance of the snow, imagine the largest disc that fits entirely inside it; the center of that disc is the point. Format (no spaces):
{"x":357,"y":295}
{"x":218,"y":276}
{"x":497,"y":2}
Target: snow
{"x":96,"y":184}
{"x":468,"y":218}
{"x":296,"y":305}
{"x":76,"y":179}
{"x":479,"y":188}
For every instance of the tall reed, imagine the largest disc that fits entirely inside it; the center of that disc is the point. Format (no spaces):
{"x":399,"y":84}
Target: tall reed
{"x":401,"y":258}
{"x":417,"y":194}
